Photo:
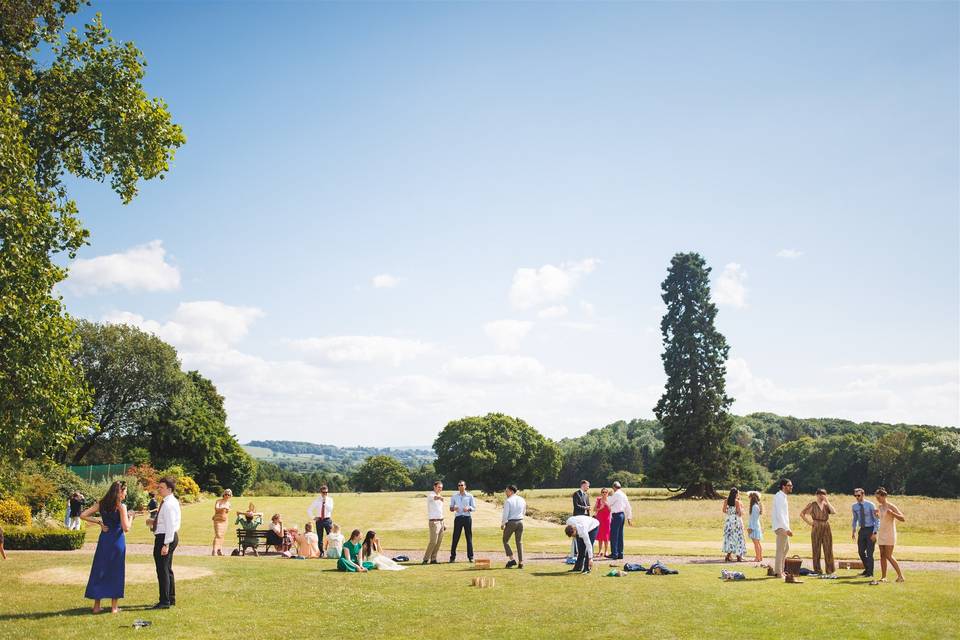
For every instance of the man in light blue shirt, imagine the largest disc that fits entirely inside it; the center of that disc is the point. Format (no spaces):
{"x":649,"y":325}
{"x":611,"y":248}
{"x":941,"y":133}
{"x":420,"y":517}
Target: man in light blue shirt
{"x":514,"y":508}
{"x":463,"y":505}
{"x":865,"y":513}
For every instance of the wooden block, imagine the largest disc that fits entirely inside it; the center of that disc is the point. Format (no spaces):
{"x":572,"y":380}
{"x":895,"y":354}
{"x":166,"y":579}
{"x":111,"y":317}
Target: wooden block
{"x":483,"y":583}
{"x":481,"y":563}
{"x":851,"y":564}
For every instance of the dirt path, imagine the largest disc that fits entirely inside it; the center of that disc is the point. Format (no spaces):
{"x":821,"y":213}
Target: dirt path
{"x":544,"y":557}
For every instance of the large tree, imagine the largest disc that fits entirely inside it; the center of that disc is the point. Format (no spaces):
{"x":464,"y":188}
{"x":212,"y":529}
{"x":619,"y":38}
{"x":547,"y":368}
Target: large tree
{"x":494,"y":450}
{"x":70,"y":103}
{"x":134,"y":376}
{"x":698,"y":449}
{"x":191,"y":431}
{"x":381,"y":473}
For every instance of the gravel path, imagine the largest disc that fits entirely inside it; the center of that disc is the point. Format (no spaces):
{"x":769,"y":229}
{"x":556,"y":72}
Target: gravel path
{"x":537,"y":557}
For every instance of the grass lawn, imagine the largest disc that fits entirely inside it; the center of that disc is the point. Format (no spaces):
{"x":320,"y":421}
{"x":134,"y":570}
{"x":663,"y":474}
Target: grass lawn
{"x":268,"y":598}
{"x":663,"y":527}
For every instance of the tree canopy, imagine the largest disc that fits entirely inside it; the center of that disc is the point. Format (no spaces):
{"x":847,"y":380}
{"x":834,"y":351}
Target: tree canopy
{"x":381,"y":473}
{"x":70,"y":103}
{"x":494,"y":450}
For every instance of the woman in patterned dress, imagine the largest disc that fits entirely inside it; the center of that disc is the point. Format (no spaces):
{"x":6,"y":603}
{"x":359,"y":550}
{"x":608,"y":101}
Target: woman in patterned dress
{"x":733,"y":542}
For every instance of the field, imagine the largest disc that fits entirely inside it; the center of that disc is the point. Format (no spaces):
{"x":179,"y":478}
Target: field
{"x":267,"y":597}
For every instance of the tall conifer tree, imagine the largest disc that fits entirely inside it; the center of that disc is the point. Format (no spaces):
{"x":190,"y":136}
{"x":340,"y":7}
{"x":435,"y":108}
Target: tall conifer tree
{"x":693,"y":410}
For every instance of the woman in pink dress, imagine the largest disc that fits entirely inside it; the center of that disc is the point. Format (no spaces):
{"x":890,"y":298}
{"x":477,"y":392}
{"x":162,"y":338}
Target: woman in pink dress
{"x":601,"y":511}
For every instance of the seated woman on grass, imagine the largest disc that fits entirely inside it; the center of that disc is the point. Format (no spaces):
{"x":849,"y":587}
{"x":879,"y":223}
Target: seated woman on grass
{"x":350,"y":560}
{"x":308,"y":545}
{"x":333,"y":543}
{"x":371,"y":554}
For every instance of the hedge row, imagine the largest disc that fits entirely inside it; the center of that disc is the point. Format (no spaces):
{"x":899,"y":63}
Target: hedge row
{"x":31,"y":538}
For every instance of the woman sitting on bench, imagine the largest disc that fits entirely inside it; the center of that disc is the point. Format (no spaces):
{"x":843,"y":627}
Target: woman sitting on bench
{"x":277,"y":536}
{"x":249,"y":520}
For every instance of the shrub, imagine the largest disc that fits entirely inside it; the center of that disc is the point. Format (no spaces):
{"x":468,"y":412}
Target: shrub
{"x":271,"y":488}
{"x":187,"y":489}
{"x":31,"y":538}
{"x":12,"y":512}
{"x":145,"y":474}
{"x":36,"y":491}
{"x":136,"y":495}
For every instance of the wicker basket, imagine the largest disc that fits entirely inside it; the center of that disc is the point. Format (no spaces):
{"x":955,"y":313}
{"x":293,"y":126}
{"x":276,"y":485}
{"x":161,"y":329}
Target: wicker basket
{"x":792,"y":565}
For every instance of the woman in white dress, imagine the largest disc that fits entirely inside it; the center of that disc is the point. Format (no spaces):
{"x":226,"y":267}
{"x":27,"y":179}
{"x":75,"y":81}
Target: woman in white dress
{"x":333,"y":543}
{"x":370,"y":552}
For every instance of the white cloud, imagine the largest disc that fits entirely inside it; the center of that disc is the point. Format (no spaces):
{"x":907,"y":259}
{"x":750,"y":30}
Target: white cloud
{"x":552,"y":312}
{"x":140,"y":268}
{"x":927,"y":393}
{"x":579,"y":326}
{"x":384,"y":281}
{"x":339,"y":350}
{"x":507,"y":334}
{"x":588,"y":309}
{"x":729,"y":288}
{"x":536,"y":287}
{"x":207,"y":325}
{"x":789,"y":254}
{"x":494,"y":368}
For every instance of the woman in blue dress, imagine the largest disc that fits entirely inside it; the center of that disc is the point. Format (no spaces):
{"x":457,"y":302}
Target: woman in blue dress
{"x":108,"y":570}
{"x":755,"y":530}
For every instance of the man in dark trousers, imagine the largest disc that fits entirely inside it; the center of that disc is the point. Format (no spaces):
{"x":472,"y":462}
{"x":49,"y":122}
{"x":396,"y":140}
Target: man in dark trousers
{"x":581,"y":499}
{"x":165,"y":527}
{"x":865,"y":513}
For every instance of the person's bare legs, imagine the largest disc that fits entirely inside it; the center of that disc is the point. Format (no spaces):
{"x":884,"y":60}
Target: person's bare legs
{"x":113,"y":606}
{"x":884,"y":550}
{"x":757,"y":551}
{"x":896,"y":565}
{"x":3,"y":552}
{"x":96,"y":606}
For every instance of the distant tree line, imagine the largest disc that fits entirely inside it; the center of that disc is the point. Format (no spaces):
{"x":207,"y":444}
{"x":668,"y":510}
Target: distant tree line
{"x":830,"y":453}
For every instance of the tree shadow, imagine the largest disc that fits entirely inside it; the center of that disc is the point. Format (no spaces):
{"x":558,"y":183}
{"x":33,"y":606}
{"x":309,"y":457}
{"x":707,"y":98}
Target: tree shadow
{"x":42,"y":615}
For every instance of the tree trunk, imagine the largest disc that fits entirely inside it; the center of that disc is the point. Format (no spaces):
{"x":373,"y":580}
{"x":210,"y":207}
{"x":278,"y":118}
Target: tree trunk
{"x":698,"y":491}
{"x":84,"y":450}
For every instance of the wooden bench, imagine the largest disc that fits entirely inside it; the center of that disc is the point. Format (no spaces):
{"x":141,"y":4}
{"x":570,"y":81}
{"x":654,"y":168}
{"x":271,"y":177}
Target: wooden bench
{"x":253,"y":539}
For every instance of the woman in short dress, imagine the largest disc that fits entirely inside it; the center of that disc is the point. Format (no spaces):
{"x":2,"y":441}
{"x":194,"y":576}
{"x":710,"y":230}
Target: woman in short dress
{"x":887,"y":535}
{"x":109,"y":560}
{"x":601,"y":511}
{"x":220,"y":510}
{"x":733,"y":542}
{"x":755,"y":530}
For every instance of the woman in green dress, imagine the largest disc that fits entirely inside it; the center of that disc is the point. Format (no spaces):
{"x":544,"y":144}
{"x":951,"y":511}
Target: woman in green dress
{"x":350,"y":559}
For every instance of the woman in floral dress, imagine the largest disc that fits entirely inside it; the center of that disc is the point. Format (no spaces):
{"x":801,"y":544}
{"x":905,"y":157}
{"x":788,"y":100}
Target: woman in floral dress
{"x":733,"y":541}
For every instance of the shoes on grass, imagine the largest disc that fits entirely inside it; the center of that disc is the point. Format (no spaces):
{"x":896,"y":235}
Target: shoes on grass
{"x":511,"y":563}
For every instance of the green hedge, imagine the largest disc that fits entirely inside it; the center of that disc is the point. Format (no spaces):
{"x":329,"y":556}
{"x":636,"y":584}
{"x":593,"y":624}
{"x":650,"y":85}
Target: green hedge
{"x":32,"y":538}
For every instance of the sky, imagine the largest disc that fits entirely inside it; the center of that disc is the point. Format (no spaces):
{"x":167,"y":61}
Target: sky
{"x":390,"y":216}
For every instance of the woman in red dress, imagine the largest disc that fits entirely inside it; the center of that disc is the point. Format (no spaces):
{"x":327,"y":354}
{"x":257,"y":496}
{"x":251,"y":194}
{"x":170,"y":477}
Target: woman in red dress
{"x":601,"y":511}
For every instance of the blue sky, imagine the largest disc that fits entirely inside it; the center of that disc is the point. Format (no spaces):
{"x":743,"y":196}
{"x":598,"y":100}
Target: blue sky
{"x":519,"y":176}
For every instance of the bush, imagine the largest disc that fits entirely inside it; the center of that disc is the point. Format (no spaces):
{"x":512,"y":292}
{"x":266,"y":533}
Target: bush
{"x":145,"y":474}
{"x":31,"y":538}
{"x":271,"y":488}
{"x":12,"y":512}
{"x":36,"y":491}
{"x":136,"y":495}
{"x":187,"y":489}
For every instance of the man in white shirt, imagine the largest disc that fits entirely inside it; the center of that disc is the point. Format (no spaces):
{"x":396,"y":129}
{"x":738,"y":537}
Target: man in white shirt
{"x":620,"y":510}
{"x":585,"y":529}
{"x":781,"y":524}
{"x":165,"y":541}
{"x":435,"y":516}
{"x":514,"y":509}
{"x":321,"y":512}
